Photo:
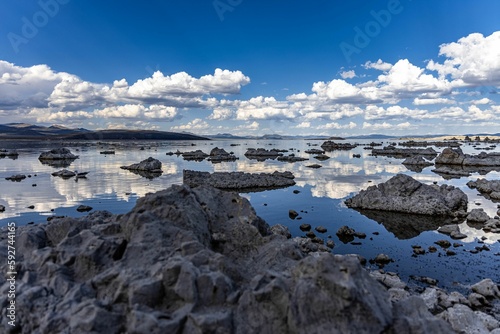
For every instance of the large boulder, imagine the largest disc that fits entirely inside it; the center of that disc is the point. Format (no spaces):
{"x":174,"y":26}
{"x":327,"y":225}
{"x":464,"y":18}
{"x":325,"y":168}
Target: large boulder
{"x":192,"y":261}
{"x":450,"y":156}
{"x":404,"y":194}
{"x":455,"y":156}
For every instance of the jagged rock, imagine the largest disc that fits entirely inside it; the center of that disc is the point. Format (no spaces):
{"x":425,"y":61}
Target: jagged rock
{"x":197,"y":155}
{"x":477,"y":216}
{"x":262,"y":154}
{"x":291,"y":158}
{"x":487,"y":188}
{"x":389,"y":280}
{"x":150,"y":164}
{"x":464,"y":320}
{"x":238,"y":180}
{"x":346,"y":234}
{"x":57,"y":154}
{"x":220,"y":154}
{"x":404,"y":152}
{"x":16,"y":178}
{"x":281,"y":230}
{"x":404,"y":194}
{"x":333,"y":146}
{"x":417,"y":160}
{"x":64,"y":173}
{"x":486,"y":288}
{"x":455,"y":156}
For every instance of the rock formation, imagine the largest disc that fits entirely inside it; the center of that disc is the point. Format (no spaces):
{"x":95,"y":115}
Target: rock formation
{"x":238,"y":180}
{"x":57,"y":154}
{"x":404,"y":194}
{"x":198,"y":261}
{"x":451,"y":156}
{"x":393,"y":151}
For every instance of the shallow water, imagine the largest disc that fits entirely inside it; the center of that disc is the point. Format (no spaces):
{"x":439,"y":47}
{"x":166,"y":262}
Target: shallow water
{"x":319,"y":202}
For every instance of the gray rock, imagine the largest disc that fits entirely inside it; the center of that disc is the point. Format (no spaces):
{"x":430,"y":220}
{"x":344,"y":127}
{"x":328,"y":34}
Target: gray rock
{"x":486,"y":288}
{"x":388,"y":279}
{"x":219,"y":155}
{"x":238,"y":180}
{"x":64,"y":173}
{"x":262,"y":154}
{"x":404,"y":194}
{"x":16,"y":178}
{"x":291,"y":158}
{"x":477,"y":216}
{"x":455,"y":156}
{"x":197,"y":155}
{"x":194,"y":261}
{"x":280,"y":229}
{"x":57,"y":154}
{"x":404,"y":152}
{"x":464,"y":320}
{"x":150,"y":164}
{"x":417,"y":160}
{"x":333,"y":146}
{"x":450,"y":156}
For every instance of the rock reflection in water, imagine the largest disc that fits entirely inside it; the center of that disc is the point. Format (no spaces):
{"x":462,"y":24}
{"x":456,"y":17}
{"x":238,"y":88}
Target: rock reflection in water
{"x":146,"y":174}
{"x":406,"y":226}
{"x":60,"y":163}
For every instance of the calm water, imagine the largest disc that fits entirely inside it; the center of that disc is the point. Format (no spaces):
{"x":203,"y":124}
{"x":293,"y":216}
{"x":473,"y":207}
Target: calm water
{"x":320,"y":201}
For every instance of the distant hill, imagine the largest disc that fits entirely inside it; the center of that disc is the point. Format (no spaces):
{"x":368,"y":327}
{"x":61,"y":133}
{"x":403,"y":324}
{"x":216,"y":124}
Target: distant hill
{"x":29,"y":131}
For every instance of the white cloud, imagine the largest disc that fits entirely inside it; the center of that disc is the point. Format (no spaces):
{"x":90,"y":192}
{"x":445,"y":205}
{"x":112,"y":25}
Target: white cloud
{"x":348,"y":74}
{"x":335,"y":125}
{"x":386,"y":126}
{"x":221,"y":114}
{"x":472,"y":61}
{"x":484,"y":100}
{"x":373,"y":112}
{"x":263,"y":108}
{"x":378,"y":65}
{"x":156,"y":112}
{"x":420,"y":102}
{"x":195,"y":124}
{"x":303,"y":125}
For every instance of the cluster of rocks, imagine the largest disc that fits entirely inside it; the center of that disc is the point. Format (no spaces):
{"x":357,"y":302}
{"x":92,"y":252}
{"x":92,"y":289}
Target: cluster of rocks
{"x":333,"y":146}
{"x":58,"y":154}
{"x":413,"y":143}
{"x":393,"y":151}
{"x":197,"y":155}
{"x":67,"y":174}
{"x":262,"y":154}
{"x":416,"y":163}
{"x":479,"y":218}
{"x":404,"y":194}
{"x":16,"y":177}
{"x":451,"y":156}
{"x":314,"y":151}
{"x":238,"y":180}
{"x":291,"y":158}
{"x":489,"y":189}
{"x":199,"y":261}
{"x":8,"y":153}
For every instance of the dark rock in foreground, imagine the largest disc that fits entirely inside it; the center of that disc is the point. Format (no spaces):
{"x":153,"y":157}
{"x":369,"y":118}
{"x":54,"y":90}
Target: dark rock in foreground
{"x":193,"y":261}
{"x":238,"y":180}
{"x":404,"y":194}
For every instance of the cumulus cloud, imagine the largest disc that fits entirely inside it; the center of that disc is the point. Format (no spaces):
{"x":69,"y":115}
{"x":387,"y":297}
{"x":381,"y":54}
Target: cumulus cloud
{"x":303,"y":125}
{"x":378,"y":113}
{"x":386,"y":126}
{"x":472,"y":61}
{"x":484,"y":100}
{"x":222,"y":113}
{"x":195,"y":124}
{"x":378,"y":65}
{"x":155,"y":112}
{"x":348,"y":74}
{"x":335,"y":125}
{"x":263,"y":108}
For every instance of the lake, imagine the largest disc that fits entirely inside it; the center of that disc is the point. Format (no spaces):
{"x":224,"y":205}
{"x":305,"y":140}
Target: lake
{"x":320,"y":200}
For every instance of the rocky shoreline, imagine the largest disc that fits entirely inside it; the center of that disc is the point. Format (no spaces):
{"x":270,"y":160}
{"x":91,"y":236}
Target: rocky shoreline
{"x":200,"y":260}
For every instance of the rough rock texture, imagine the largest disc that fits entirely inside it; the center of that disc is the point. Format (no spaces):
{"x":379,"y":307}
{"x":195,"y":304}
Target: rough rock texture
{"x":333,"y":146}
{"x":262,"y":154}
{"x":417,"y":160}
{"x":64,"y":173}
{"x":220,"y":154}
{"x":57,"y":154}
{"x":477,"y":216}
{"x":404,"y":194}
{"x":455,"y":156}
{"x":197,"y":155}
{"x":291,"y":158}
{"x":404,"y":152}
{"x":489,"y":189}
{"x":193,"y":261}
{"x":238,"y":180}
{"x":151,"y":165}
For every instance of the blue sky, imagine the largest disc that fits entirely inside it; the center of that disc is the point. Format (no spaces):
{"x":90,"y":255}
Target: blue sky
{"x":253,"y":67}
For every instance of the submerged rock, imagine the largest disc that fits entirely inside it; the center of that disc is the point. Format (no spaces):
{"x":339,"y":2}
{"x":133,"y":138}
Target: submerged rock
{"x":404,"y":194}
{"x":238,"y":180}
{"x":64,"y":173}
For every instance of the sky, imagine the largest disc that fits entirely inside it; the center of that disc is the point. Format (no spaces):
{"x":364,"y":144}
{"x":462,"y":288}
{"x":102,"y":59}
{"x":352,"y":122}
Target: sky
{"x":338,"y":68}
